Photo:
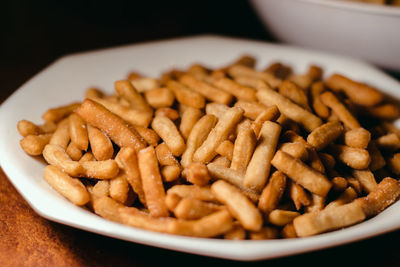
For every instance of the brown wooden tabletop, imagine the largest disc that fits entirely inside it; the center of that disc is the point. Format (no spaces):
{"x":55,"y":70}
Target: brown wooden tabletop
{"x":34,"y":35}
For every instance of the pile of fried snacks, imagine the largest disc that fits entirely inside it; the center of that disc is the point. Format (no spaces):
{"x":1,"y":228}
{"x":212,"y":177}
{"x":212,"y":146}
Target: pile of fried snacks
{"x":234,"y":152}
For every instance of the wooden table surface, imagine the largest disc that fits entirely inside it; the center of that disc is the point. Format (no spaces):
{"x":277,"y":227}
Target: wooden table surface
{"x":36,"y":34}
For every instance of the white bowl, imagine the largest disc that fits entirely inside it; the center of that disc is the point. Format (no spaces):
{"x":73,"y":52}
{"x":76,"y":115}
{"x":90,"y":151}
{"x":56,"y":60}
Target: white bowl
{"x":66,"y":80}
{"x":368,"y":31}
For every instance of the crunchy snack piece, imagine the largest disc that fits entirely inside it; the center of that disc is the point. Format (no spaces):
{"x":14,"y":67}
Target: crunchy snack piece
{"x":165,"y":156}
{"x":272,"y":193}
{"x":55,"y":115}
{"x":240,"y":206}
{"x":100,"y":144}
{"x":192,"y":209}
{"x":359,"y":93}
{"x":56,"y":155}
{"x":101,"y":118}
{"x":69,"y":187}
{"x":160,"y":97}
{"x":310,"y":179}
{"x":167,"y":130}
{"x":225,"y":149}
{"x":305,"y":118}
{"x":189,"y":118}
{"x":319,"y":108}
{"x":259,"y":166}
{"x":193,"y":191}
{"x":298,"y":195}
{"x":355,"y":158}
{"x":340,"y":110}
{"x":282,"y":217}
{"x":199,"y":133}
{"x":294,"y":93}
{"x":267,"y":232}
{"x":366,"y":179}
{"x":347,"y":196}
{"x":186,"y":96}
{"x":254,"y":109}
{"x":394,"y":163}
{"x":207,"y":90}
{"x":206,"y":152}
{"x":384,"y":195}
{"x":243,"y":147}
{"x":107,"y":208}
{"x":34,"y":144}
{"x":241,"y":70}
{"x":152,"y":184}
{"x":137,"y":117}
{"x":328,"y":219}
{"x":61,"y":135}
{"x":358,"y":137}
{"x":325,"y":135}
{"x":127,"y":161}
{"x":234,"y":88}
{"x":197,"y":173}
{"x":170,"y":173}
{"x":126,"y":90}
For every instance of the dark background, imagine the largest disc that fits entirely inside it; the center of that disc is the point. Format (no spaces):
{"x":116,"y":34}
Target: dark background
{"x":34,"y":34}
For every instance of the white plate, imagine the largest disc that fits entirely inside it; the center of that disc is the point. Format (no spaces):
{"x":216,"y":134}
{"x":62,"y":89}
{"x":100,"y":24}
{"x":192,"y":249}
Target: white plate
{"x":67,"y":79}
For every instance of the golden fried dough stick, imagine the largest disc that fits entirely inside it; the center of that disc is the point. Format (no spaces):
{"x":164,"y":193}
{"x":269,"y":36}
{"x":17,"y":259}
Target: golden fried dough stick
{"x":394,"y":163}
{"x":186,"y":96}
{"x":282,"y":217}
{"x":240,"y":70}
{"x":347,"y":196}
{"x":302,"y":174}
{"x":294,"y":93}
{"x":329,"y":99}
{"x":168,"y":132}
{"x":385,"y":194}
{"x":194,"y":191}
{"x":69,"y":187}
{"x":108,"y":208}
{"x":257,"y":172}
{"x":366,"y":179}
{"x":225,"y":149}
{"x":358,"y":93}
{"x":355,"y":158}
{"x":159,"y":97}
{"x":188,"y":119}
{"x":298,"y":195}
{"x":152,"y":184}
{"x":238,"y":204}
{"x":34,"y":144}
{"x":328,"y":219}
{"x":358,"y":137}
{"x":267,"y":232}
{"x":55,"y":115}
{"x":294,"y":112}
{"x":115,"y":128}
{"x":272,"y":193}
{"x":133,"y":116}
{"x":165,"y":156}
{"x":197,"y":173}
{"x":126,"y":90}
{"x":127,"y":161}
{"x":319,"y":108}
{"x":192,"y":209}
{"x":243,"y":147}
{"x":206,"y":90}
{"x":61,"y":135}
{"x":253,"y":109}
{"x":239,"y":91}
{"x":206,"y":152}
{"x":325,"y":134}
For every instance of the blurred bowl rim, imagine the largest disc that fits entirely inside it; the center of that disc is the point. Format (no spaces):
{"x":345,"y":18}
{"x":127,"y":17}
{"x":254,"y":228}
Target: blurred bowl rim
{"x":357,"y":6}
